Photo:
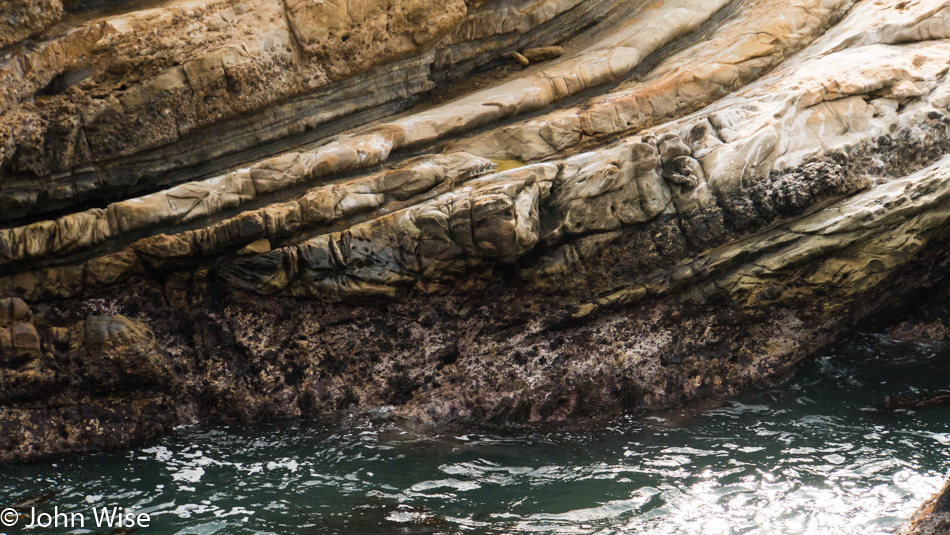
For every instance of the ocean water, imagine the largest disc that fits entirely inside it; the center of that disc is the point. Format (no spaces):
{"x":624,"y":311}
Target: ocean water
{"x":811,"y":456}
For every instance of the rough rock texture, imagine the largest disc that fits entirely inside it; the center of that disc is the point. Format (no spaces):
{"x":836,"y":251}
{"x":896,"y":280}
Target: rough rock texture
{"x":928,"y":321}
{"x":245,"y":210}
{"x":933,"y":517}
{"x":21,"y":19}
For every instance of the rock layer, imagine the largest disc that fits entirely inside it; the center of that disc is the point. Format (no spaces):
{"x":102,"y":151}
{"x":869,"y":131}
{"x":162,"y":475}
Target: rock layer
{"x":246,"y":210}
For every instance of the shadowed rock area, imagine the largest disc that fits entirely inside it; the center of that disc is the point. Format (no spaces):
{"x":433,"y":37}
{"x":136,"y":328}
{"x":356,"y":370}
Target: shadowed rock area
{"x":482,"y":210}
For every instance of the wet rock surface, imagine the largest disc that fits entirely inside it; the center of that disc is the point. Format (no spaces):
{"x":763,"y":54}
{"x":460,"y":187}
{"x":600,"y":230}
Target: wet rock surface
{"x":933,"y":517}
{"x":925,"y":322}
{"x":249,"y":211}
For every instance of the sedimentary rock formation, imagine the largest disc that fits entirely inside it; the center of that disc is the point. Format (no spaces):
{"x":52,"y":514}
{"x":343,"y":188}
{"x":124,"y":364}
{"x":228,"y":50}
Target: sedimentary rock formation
{"x":243,"y":210}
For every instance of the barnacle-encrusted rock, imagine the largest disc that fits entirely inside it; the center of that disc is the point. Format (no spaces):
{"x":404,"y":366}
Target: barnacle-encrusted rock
{"x":71,"y":384}
{"x":229,"y":210}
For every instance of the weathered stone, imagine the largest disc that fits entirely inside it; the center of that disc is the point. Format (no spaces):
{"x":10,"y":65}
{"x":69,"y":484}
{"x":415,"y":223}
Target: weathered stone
{"x":543,"y":53}
{"x":255,"y":247}
{"x":21,"y":19}
{"x":521,"y":59}
{"x":933,"y":517}
{"x":220,"y":211}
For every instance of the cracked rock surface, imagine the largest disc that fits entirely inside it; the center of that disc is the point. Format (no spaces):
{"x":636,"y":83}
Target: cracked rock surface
{"x":239,"y":210}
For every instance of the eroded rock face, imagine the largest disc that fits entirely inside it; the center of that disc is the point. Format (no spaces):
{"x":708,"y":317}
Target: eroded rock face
{"x":22,"y":19}
{"x":237,"y":210}
{"x":75,"y":384}
{"x":933,"y":517}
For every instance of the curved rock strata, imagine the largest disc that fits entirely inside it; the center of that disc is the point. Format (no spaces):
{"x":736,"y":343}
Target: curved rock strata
{"x":245,"y":210}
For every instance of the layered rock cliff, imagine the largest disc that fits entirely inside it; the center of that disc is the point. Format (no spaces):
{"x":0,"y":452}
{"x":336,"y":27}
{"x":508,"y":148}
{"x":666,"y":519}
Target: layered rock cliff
{"x":495,"y":210}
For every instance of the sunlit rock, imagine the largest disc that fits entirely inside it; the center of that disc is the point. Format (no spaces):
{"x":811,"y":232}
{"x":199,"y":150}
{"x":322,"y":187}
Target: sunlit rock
{"x":237,"y":211}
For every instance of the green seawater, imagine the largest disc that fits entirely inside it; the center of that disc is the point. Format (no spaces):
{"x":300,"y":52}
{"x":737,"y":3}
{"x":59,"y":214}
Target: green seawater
{"x":810,"y":456}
